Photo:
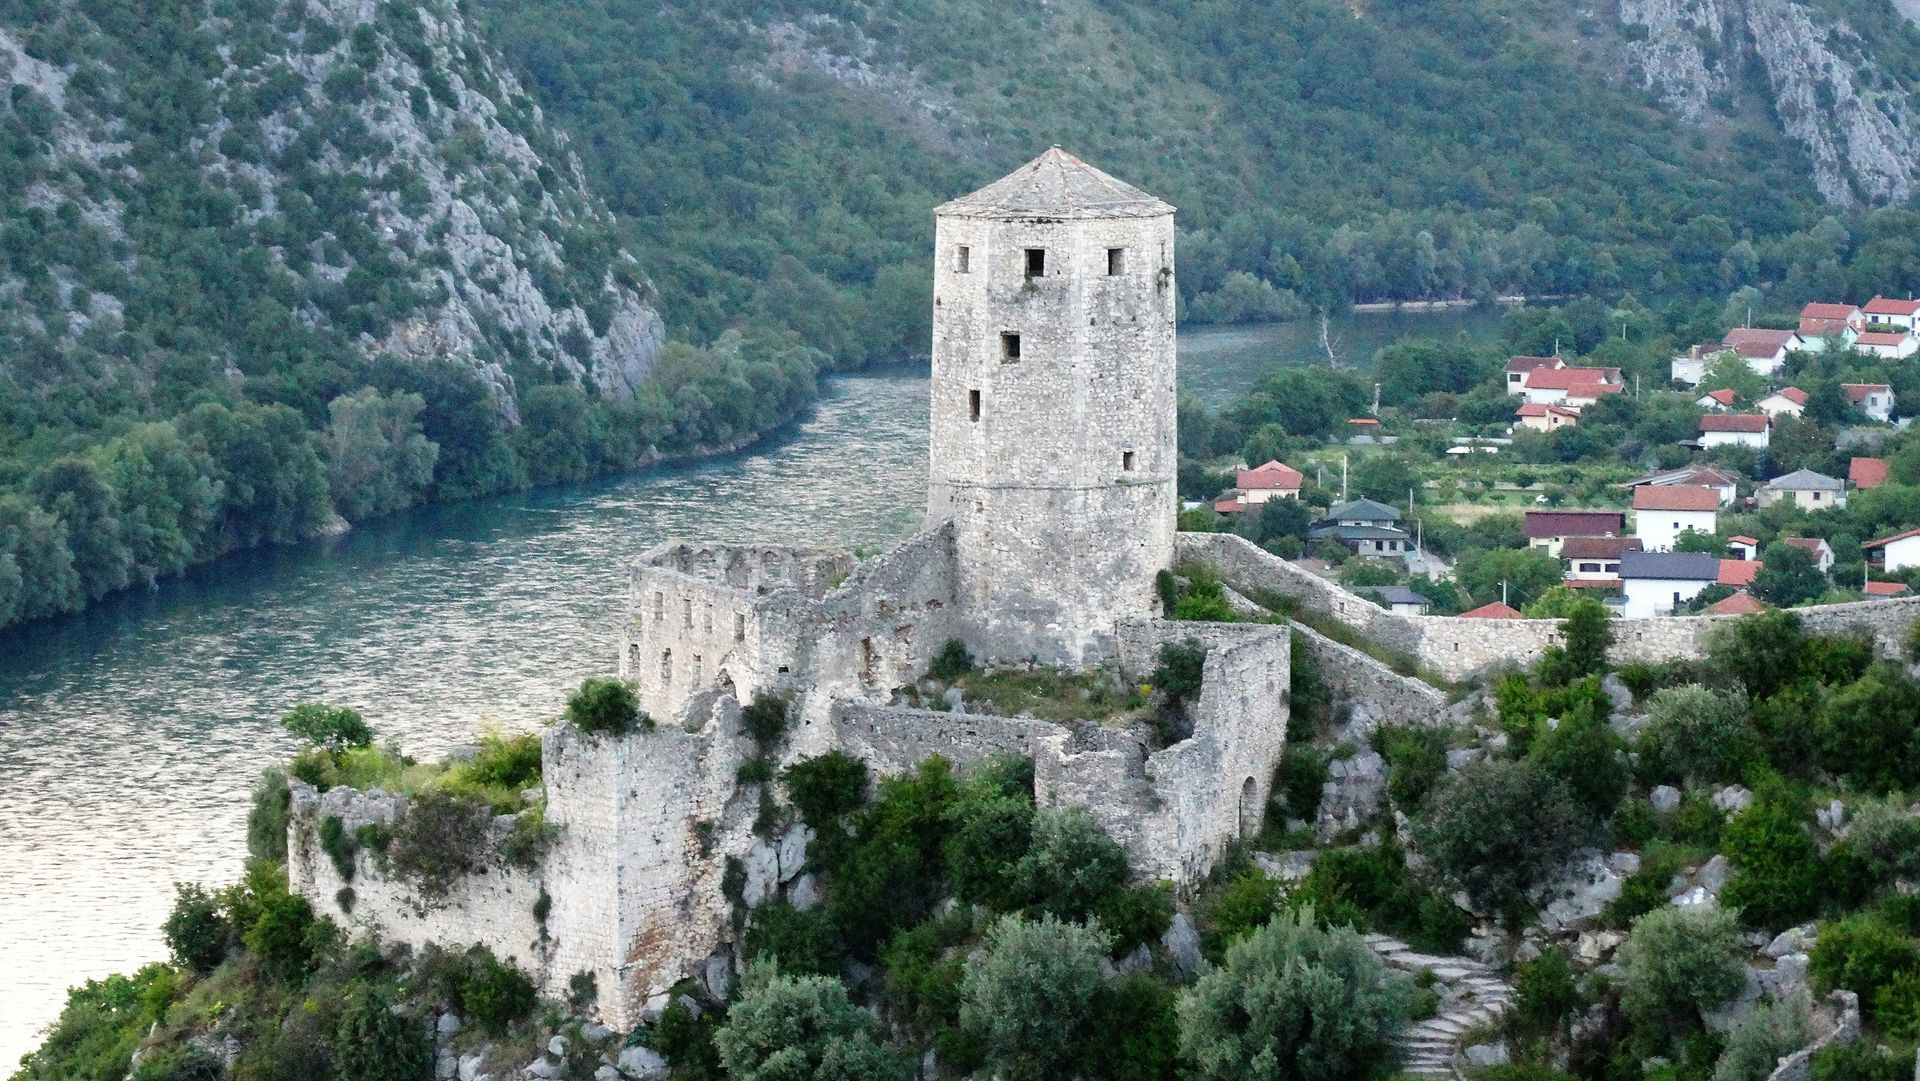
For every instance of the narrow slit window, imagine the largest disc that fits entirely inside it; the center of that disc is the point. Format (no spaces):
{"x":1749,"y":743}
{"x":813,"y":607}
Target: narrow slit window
{"x":666,"y":666}
{"x":1116,"y":262}
{"x":659,"y":606}
{"x":1036,"y":262}
{"x":686,"y":614}
{"x":973,"y":404}
{"x":1009,"y":348}
{"x":739,"y":627}
{"x":1126,"y":460}
{"x":962,"y":259}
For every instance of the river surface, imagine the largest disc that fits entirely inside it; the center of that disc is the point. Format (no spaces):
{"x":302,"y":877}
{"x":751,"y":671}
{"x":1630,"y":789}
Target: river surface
{"x":131,"y":734}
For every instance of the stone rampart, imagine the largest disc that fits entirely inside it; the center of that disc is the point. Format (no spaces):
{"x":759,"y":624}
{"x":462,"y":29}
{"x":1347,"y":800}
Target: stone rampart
{"x":1461,"y":649}
{"x":1354,"y":678}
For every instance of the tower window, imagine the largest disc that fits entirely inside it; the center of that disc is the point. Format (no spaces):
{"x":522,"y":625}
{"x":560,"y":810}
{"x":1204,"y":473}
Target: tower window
{"x":973,"y":404}
{"x":1036,"y":262}
{"x":1116,"y":261}
{"x":1009,"y":348}
{"x":1126,"y":460}
{"x":962,"y":259}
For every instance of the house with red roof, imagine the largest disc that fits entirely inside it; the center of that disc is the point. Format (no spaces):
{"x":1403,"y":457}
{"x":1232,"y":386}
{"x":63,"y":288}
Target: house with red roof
{"x":1594,"y":562}
{"x":1721,"y":399}
{"x":1547,"y":530}
{"x":1786,"y":402}
{"x":1888,"y":312}
{"x":1545,"y":418}
{"x":1763,"y":350}
{"x":1735,"y":430}
{"x":1739,"y":573}
{"x":1661,"y":514}
{"x":1496,"y":610}
{"x":1518,"y":367}
{"x":1885,"y":589}
{"x":1740,"y":603}
{"x":1551,"y":386}
{"x":1274,"y":480}
{"x":1581,"y":395}
{"x":1867,"y":472}
{"x":1888,"y":345}
{"x":1873,"y":399}
{"x":1824,"y":326}
{"x":1818,"y":548}
{"x":1743,"y":547}
{"x":1708,"y":476}
{"x":1895,"y":553}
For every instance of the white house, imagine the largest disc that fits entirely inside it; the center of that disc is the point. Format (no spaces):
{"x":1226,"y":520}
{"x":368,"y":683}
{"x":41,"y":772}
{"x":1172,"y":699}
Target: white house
{"x":1690,"y":367}
{"x":1888,"y":312}
{"x":1735,"y":430}
{"x":1824,"y":326}
{"x":1655,"y":583}
{"x":1518,"y":367}
{"x":1763,"y":350}
{"x":1804,"y":488}
{"x":1788,"y":402}
{"x":1818,"y":548}
{"x":1551,"y":386}
{"x":1661,"y":514}
{"x":1890,"y":345}
{"x":1705,"y":476}
{"x":1897,"y":553}
{"x":1270,"y":481}
{"x":1743,"y":547}
{"x":1401,"y":601}
{"x":1717,"y":401}
{"x":1873,"y":399}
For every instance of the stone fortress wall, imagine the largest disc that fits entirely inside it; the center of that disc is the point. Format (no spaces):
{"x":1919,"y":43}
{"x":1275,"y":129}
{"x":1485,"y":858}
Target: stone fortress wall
{"x":1461,"y":649}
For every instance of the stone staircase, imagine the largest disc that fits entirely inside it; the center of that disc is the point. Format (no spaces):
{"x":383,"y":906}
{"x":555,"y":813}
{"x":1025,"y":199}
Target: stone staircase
{"x":1471,"y":995}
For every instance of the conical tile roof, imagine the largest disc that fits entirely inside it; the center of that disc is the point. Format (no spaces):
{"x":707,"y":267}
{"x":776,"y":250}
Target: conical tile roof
{"x":1056,"y":185}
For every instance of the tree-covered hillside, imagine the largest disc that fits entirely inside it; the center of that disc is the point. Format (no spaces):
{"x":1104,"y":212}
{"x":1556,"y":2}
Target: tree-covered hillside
{"x":782,"y":156}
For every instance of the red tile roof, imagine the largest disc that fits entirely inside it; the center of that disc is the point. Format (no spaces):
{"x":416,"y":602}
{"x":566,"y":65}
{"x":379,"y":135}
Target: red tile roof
{"x":1568,"y":378}
{"x":1675,"y":497}
{"x":1536,"y":409}
{"x":1272,"y":476}
{"x":1541,"y":524}
{"x":1793,"y":394}
{"x":1739,"y":572}
{"x":1867,"y":472}
{"x":1724,"y":396}
{"x":1496,"y":610}
{"x":1890,"y":306}
{"x":1753,"y":342}
{"x":1527,"y":364}
{"x":1818,"y":310}
{"x":1593,"y":391}
{"x":1748,"y":541}
{"x":1229,"y":506}
{"x":1814,"y":545}
{"x":1739,"y":604}
{"x":1891,"y":539}
{"x":1885,"y":589}
{"x":1598,"y":547}
{"x":1734,"y":422}
{"x":1880,"y":338}
{"x":1857,"y":392}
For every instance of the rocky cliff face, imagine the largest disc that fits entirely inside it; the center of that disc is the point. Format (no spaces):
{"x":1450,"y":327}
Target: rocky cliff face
{"x":387,"y":184}
{"x":1855,"y":119}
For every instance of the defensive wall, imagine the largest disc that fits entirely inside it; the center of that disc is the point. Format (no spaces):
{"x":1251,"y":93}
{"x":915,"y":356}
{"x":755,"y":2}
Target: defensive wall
{"x":1460,"y":649}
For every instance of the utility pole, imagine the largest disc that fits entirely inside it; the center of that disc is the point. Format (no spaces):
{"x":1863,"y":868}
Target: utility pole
{"x":1503,"y":591}
{"x":1343,"y":478}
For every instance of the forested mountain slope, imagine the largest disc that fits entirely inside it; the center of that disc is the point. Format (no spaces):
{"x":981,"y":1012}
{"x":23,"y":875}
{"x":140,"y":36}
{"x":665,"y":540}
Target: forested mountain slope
{"x":1320,"y":151}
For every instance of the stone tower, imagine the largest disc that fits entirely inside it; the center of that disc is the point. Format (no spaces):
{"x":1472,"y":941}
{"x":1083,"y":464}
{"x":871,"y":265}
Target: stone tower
{"x":1052,"y":445}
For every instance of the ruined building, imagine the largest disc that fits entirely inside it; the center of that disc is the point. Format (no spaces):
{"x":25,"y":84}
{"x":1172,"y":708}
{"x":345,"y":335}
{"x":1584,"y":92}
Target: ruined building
{"x":1051,"y":508}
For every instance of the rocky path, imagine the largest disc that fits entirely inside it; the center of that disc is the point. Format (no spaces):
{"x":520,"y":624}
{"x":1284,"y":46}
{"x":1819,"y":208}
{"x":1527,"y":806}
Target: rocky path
{"x":1471,"y":994}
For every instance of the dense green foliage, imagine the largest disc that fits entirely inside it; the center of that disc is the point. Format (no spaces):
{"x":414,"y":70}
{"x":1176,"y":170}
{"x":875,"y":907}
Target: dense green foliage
{"x":605,"y":704}
{"x":1679,"y":963}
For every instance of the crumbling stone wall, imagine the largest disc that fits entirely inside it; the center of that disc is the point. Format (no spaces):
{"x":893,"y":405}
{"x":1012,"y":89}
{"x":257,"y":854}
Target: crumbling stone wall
{"x":1356,"y":680}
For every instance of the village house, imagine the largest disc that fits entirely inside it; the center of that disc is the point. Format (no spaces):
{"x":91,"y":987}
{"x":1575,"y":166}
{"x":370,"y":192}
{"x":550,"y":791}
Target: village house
{"x":1896,"y":553}
{"x":1880,"y":590}
{"x":1364,"y":527}
{"x":1660,"y":515}
{"x":1721,"y":400}
{"x":1763,"y":350}
{"x":1786,"y":402}
{"x":1805,"y":489}
{"x":1551,"y":386}
{"x":1734,"y":430}
{"x":1738,"y":573}
{"x":1873,"y":399}
{"x":1400,"y":600}
{"x":1594,"y":562}
{"x":1546,"y":530}
{"x":1546,"y":418}
{"x":1824,"y":326}
{"x":1888,"y":345}
{"x":1867,"y":473}
{"x":1655,"y":583}
{"x":1699,"y":476}
{"x":1740,"y":603}
{"x":1743,"y":547}
{"x":1887,"y":312}
{"x":1518,"y":367}
{"x":1273,"y":480}
{"x":1818,"y":548}
{"x":1496,"y":610}
{"x":1690,"y":367}
{"x":1581,"y":395}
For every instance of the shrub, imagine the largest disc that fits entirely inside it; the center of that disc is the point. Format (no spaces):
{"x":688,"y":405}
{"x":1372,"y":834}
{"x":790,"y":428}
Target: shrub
{"x":1867,"y":733}
{"x":1204,"y":599}
{"x":1298,"y":781}
{"x":921,"y":970}
{"x":338,"y":846}
{"x":953,"y":661}
{"x":1180,"y":670}
{"x":687,"y":1040}
{"x":1761,"y":651}
{"x":1293,"y":1000}
{"x":605,"y":704}
{"x":1897,"y":1009}
{"x":1776,"y":877}
{"x":1587,"y":756}
{"x":1136,"y":915}
{"x":492,"y":993}
{"x":1694,"y":734}
{"x":826,"y":788}
{"x":1029,"y":995}
{"x":1243,"y":904}
{"x":1863,"y":955}
{"x":800,"y":1028}
{"x":1545,"y":991}
{"x":501,"y":768}
{"x":1680,"y":963}
{"x":1498,"y":828}
{"x":441,"y":837}
{"x":765,"y":719}
{"x":1885,"y":835}
{"x":179,"y":1064}
{"x":197,"y":930}
{"x":267,"y":819}
{"x":801,"y":943}
{"x":1417,"y":761}
{"x":1072,"y":866}
{"x":329,"y":728}
{"x":1132,"y":1035}
{"x":373,"y":1043}
{"x":990,"y":831}
{"x":1372,"y":886}
{"x":1771,"y":1032}
{"x":1861,"y":1061}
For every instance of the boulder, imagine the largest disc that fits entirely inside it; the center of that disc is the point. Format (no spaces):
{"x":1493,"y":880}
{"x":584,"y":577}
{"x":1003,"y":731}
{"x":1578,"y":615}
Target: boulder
{"x":1793,"y":940}
{"x":606,"y":1073}
{"x":1832,"y":816}
{"x":595,"y":1032}
{"x":1182,"y":943}
{"x":1617,"y":691}
{"x":557,"y":1047}
{"x":1459,"y":758}
{"x":793,"y":852}
{"x":1789,"y":974}
{"x":642,"y":1064}
{"x":1285,"y":866}
{"x":762,"y":865}
{"x":1693,"y":898}
{"x":1597,"y":946}
{"x":539,"y":1067}
{"x":446,"y":1067}
{"x":1487,"y":1055}
{"x":1625,"y":863}
{"x":447,"y":1024}
{"x":1713,"y":876}
{"x":1733,"y":799}
{"x":717,"y":976}
{"x":1664,"y":798}
{"x":956,"y":702}
{"x":1583,"y":889}
{"x":470,"y":1066}
{"x":804,"y":894}
{"x":1740,"y":1007}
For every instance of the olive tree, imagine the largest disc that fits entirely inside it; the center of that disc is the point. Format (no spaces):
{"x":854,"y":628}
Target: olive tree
{"x":1029,"y":996}
{"x":1680,"y":963}
{"x":801,"y":1028}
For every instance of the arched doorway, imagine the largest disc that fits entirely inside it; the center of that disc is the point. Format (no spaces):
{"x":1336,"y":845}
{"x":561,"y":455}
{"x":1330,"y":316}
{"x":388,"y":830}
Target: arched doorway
{"x":1250,"y":810}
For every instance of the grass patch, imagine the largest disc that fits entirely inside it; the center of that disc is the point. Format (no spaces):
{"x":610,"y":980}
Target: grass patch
{"x":1043,"y":693}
